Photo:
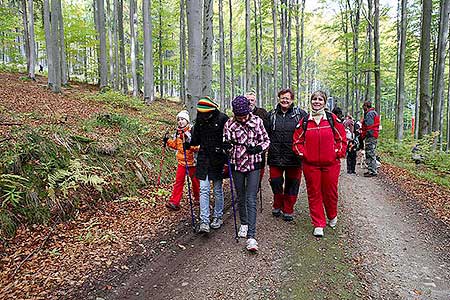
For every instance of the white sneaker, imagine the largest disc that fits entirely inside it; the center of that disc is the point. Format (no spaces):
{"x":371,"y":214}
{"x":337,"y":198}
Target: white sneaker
{"x":243,"y":231}
{"x":204,"y":228}
{"x":318,"y":232}
{"x":252,"y":245}
{"x":333,"y":222}
{"x":216,"y":223}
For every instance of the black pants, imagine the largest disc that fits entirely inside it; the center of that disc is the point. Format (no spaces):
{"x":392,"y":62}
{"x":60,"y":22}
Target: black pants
{"x":351,"y":162}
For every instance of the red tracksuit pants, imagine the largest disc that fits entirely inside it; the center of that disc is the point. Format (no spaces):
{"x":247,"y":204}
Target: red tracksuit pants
{"x":285,"y":183}
{"x":180,"y":177}
{"x":322,"y":188}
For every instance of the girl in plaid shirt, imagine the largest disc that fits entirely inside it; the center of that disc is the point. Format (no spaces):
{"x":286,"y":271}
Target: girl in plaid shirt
{"x":247,"y":139}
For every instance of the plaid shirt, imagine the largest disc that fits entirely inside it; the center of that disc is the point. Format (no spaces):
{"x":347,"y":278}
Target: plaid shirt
{"x":241,"y":135}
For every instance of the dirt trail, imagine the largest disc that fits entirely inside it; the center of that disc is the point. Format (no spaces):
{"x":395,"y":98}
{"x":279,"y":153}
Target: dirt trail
{"x":400,"y":252}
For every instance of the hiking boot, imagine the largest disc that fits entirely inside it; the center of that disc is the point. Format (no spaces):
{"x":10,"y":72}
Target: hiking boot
{"x":288,"y":217}
{"x":204,"y":228}
{"x":318,"y":232}
{"x":216,"y":223}
{"x":243,"y":231}
{"x":370,"y":174}
{"x":252,"y":245}
{"x":172,"y":206}
{"x":333,"y":222}
{"x":276,"y":212}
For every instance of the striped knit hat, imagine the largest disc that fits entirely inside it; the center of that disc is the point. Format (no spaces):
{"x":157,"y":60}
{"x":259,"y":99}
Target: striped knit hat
{"x":206,"y":105}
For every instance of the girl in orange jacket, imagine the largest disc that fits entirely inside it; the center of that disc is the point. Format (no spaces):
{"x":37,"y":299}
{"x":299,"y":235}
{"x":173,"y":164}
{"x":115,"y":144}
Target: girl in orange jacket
{"x":183,"y":135}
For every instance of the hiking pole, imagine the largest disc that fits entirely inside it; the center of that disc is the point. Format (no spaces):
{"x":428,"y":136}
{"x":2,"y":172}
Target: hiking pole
{"x":260,"y":196}
{"x":189,"y":187}
{"x":232,"y":200}
{"x":163,"y":154}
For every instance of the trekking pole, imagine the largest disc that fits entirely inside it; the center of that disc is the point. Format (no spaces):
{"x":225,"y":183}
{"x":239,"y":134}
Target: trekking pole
{"x":189,"y":187}
{"x":232,"y":200}
{"x":163,"y":154}
{"x":260,"y":197}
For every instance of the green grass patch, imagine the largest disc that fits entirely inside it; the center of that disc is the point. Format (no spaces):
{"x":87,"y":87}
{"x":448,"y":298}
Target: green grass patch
{"x":319,"y":268}
{"x":118,"y":100}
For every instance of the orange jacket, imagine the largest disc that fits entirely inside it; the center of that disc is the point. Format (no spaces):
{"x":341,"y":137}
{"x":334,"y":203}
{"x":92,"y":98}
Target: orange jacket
{"x":177,"y":144}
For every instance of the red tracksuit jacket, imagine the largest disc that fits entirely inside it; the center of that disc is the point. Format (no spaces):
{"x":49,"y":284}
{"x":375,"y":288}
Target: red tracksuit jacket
{"x":320,"y":145}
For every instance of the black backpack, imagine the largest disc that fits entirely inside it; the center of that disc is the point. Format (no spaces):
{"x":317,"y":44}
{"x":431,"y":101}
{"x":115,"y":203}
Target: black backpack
{"x":329,"y":118}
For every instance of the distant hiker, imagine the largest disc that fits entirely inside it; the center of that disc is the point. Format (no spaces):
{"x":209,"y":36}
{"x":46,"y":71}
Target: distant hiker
{"x":369,"y":133}
{"x":284,"y":166}
{"x":338,"y":112}
{"x":320,"y":141}
{"x":182,"y":135}
{"x":262,"y":113}
{"x":41,"y":68}
{"x":352,"y":145}
{"x":247,"y":138}
{"x":208,"y":134}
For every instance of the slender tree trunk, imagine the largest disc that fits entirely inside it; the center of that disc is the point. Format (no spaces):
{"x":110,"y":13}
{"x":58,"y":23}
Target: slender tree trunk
{"x":123,"y":69}
{"x":148,"y":53}
{"x":56,"y":44}
{"x":231,"y":49}
{"x":32,"y":41}
{"x":262,"y":94}
{"x":369,"y":50}
{"x":417,"y":104}
{"x":160,"y":51}
{"x":258,"y":91}
{"x":401,"y":73}
{"x":111,"y":47}
{"x":425,"y":108}
{"x":48,"y":43}
{"x":438,"y":86}
{"x":283,"y":21}
{"x":447,"y":148}
{"x":26,"y":36}
{"x":134,"y":50}
{"x":100,"y":5}
{"x":207,"y":47}
{"x":118,"y":73}
{"x":376,"y":37}
{"x":194,"y":80}
{"x":289,"y":35}
{"x":221,"y":55}
{"x":248,"y":53}
{"x":275,"y":53}
{"x":183,"y":51}
{"x":64,"y":75}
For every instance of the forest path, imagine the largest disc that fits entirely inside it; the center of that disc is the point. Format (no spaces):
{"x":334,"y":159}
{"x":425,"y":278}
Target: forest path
{"x":385,"y":247}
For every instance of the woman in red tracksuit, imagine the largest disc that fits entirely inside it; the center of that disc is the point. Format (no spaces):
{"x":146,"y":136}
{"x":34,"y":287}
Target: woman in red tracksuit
{"x":321,"y":147}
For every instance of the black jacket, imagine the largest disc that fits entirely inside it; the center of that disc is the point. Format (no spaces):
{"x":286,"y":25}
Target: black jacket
{"x":208,"y":134}
{"x":281,"y":128}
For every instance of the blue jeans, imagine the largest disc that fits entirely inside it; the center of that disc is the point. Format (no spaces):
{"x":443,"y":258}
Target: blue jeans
{"x":246,"y":186}
{"x":204,"y":199}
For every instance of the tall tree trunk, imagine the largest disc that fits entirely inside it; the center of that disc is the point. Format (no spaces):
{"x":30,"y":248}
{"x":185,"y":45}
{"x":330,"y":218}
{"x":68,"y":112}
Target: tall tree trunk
{"x":275,"y":53}
{"x":100,"y":5}
{"x":289,"y":34}
{"x":283,"y":21}
{"x":110,"y":40}
{"x":438,"y":85}
{"x":262,"y":93}
{"x":258,"y":84}
{"x":118,"y":73}
{"x":56,"y":44}
{"x":32,"y":41}
{"x":248,"y":53}
{"x":26,"y":35}
{"x":148,"y":53}
{"x":160,"y":51}
{"x":369,"y":50}
{"x":207,"y":47}
{"x":221,"y":55}
{"x":401,"y":73}
{"x":447,"y":148}
{"x":123,"y":69}
{"x":48,"y":43}
{"x":183,"y":51}
{"x":417,"y":103}
{"x":231,"y":49}
{"x":194,"y":80}
{"x":425,"y":108}
{"x":355,"y":20}
{"x":376,"y":38}
{"x":133,"y":42}
{"x":64,"y":75}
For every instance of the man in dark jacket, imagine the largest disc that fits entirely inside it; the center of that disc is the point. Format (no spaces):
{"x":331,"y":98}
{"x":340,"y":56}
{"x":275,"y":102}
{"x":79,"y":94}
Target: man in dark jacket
{"x":208,"y":134}
{"x":369,"y":133}
{"x":284,"y":166}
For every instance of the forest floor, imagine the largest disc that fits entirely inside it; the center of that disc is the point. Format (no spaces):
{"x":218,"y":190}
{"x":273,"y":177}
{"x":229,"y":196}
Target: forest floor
{"x":392,"y":240}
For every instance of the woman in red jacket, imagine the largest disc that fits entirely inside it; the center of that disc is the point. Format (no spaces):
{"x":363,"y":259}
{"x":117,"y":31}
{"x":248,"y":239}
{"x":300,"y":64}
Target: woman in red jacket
{"x":321,"y":143}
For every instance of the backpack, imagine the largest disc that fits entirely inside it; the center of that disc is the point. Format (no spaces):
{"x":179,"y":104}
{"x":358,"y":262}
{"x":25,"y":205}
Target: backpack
{"x":329,"y":118}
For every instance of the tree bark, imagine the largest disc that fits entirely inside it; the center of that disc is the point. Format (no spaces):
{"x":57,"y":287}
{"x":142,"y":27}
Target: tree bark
{"x":401,"y":73}
{"x":116,"y":46}
{"x":160,"y":52}
{"x":425,"y":108}
{"x":148,"y":55}
{"x":123,"y":69}
{"x":48,"y":43}
{"x":133,"y":42}
{"x":289,"y":56}
{"x":207,"y":47}
{"x":231,"y":50}
{"x":283,"y":21}
{"x":183,"y":51}
{"x":221,"y":55}
{"x":32,"y":41}
{"x":258,"y":84}
{"x":369,"y":50}
{"x":111,"y":47}
{"x":100,"y":5}
{"x":275,"y":53}
{"x":56,"y":44}
{"x":376,"y":38}
{"x":447,"y":148}
{"x":26,"y":35}
{"x":64,"y":74}
{"x":248,"y":52}
{"x":194,"y":80}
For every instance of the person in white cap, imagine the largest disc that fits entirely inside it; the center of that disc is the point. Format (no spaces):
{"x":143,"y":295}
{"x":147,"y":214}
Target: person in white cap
{"x":181,"y":136}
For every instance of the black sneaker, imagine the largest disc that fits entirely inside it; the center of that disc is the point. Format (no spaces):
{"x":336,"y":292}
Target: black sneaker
{"x":276,"y":212}
{"x":172,"y":206}
{"x":369,"y":174}
{"x":288,"y":217}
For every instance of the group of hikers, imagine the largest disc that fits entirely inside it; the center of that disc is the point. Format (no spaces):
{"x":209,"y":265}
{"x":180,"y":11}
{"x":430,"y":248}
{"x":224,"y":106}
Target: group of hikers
{"x":295,"y":141}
